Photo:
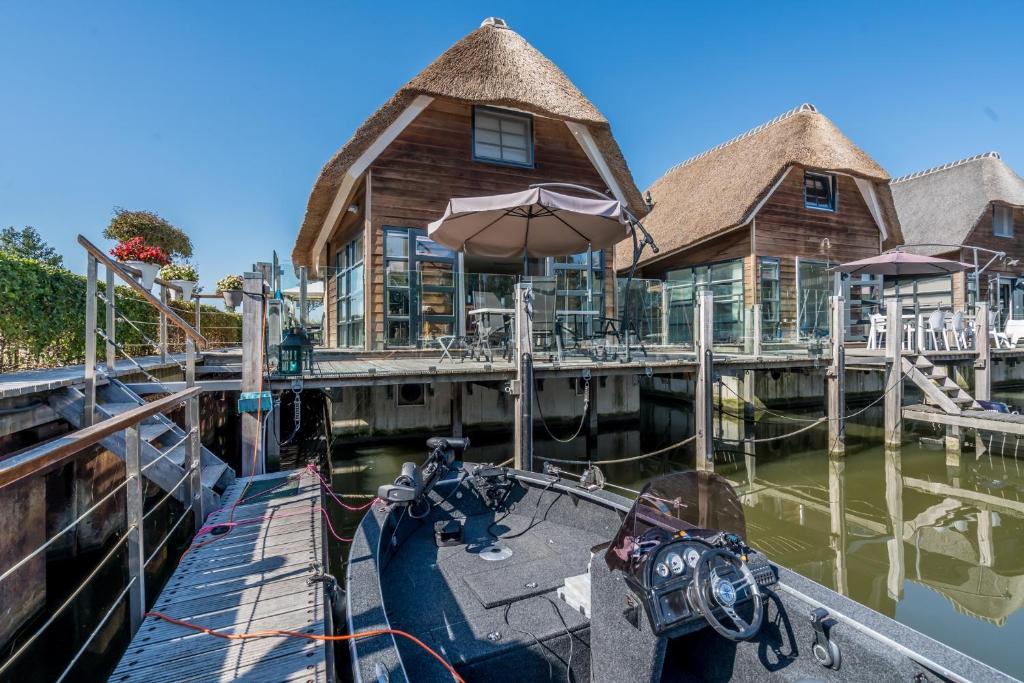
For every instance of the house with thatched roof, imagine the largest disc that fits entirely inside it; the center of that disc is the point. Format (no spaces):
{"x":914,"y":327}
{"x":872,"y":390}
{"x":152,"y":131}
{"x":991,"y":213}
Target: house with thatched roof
{"x":760,"y":219}
{"x":971,"y":210}
{"x":491,"y":115}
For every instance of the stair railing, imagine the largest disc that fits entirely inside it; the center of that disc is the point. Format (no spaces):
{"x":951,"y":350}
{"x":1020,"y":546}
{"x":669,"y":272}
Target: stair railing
{"x":167,"y":315}
{"x":47,"y":457}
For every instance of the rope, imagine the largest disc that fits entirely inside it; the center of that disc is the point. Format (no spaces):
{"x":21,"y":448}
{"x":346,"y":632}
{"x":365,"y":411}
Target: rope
{"x":269,"y":633}
{"x":583,"y":417}
{"x":776,"y":438}
{"x":679,"y":444}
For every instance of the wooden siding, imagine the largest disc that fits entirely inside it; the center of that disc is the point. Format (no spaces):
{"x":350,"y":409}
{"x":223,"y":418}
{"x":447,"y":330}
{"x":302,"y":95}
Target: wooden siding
{"x":981,"y":236}
{"x":346,"y":230}
{"x":432,"y":161}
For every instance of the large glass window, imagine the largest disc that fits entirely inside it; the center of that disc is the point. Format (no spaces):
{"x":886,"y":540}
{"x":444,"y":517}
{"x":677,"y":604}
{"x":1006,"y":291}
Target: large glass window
{"x":725,"y":280}
{"x":814,"y":285}
{"x":502,"y":136}
{"x":820,"y":191}
{"x":349,"y":286}
{"x":420,"y":288}
{"x":771,"y":299}
{"x":1002,"y":221}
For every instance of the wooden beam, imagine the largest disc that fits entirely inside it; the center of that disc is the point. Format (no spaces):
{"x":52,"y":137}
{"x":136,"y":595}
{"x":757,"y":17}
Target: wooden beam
{"x":893,"y":373}
{"x":836,"y":379}
{"x":705,"y":453}
{"x":986,"y":420}
{"x":252,"y":370}
{"x":523,"y":387}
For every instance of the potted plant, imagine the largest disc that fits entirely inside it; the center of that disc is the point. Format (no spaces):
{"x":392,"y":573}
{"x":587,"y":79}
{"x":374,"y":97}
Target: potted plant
{"x":144,"y":258}
{"x":230,"y":287}
{"x":182,"y":275}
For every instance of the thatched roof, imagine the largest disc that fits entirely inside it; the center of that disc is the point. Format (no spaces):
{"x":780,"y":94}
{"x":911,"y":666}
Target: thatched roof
{"x":942,"y":205}
{"x":716,"y":191}
{"x":492,"y":65}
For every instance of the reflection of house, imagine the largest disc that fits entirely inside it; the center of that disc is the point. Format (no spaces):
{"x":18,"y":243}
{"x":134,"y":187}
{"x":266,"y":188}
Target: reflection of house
{"x":759,"y":218}
{"x":974,"y":202}
{"x":490,"y":115}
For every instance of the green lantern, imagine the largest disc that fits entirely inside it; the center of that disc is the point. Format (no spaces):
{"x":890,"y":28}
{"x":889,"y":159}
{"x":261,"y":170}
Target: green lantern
{"x":295,"y":353}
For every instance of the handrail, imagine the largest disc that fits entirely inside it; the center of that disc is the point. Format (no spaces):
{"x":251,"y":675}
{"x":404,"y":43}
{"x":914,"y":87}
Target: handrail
{"x":122,"y":272}
{"x":47,"y":456}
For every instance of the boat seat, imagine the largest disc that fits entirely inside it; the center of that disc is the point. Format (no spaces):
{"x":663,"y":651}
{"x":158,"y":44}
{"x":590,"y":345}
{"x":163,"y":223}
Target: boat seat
{"x":501,"y":585}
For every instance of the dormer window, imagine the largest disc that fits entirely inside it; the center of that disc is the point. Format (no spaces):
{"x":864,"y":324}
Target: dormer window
{"x":819,"y":191}
{"x":502,"y":137}
{"x":1002,"y":221}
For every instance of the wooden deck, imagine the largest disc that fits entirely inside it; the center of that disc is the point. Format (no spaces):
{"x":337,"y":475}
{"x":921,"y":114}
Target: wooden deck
{"x":255,"y":577}
{"x":13,"y":384}
{"x":986,"y":420}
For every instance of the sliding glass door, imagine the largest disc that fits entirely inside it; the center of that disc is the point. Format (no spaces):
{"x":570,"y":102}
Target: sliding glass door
{"x":421,"y":279}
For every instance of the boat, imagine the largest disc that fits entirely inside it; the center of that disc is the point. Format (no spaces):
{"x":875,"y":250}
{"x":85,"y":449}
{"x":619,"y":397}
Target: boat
{"x":480,"y":572}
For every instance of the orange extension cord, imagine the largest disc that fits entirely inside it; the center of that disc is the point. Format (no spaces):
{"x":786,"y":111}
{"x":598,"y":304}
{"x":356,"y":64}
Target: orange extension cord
{"x":268,"y":633}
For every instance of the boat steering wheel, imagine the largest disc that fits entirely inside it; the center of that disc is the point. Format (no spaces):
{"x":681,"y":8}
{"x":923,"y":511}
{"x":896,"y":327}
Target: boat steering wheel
{"x":712,"y":591}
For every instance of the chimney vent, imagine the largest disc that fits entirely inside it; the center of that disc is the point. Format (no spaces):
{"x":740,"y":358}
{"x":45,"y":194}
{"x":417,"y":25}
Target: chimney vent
{"x":497,"y":22}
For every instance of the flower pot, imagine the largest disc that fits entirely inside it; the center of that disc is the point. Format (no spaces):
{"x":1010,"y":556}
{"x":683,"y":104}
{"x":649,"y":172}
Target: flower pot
{"x":186,"y":288}
{"x":232,"y":297}
{"x":148,"y":272}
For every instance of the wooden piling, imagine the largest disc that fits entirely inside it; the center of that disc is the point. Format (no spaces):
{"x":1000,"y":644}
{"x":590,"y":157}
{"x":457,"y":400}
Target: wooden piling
{"x":893,"y":373}
{"x":522,"y":388}
{"x":982,"y":367}
{"x":252,"y":370}
{"x":836,"y":379}
{"x":705,"y":453}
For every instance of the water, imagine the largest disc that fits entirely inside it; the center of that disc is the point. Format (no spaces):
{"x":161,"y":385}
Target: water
{"x":937,"y":546}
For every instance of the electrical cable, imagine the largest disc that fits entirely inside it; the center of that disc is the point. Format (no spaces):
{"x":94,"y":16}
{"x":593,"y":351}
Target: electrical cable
{"x":269,"y":633}
{"x":533,"y":518}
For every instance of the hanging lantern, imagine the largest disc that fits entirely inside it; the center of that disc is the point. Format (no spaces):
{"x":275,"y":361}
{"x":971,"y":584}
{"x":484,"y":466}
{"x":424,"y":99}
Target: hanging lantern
{"x":295,"y":353}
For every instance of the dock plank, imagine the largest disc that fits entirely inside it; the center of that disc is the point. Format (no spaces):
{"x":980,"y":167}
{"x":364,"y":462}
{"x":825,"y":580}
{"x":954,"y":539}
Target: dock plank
{"x":254,"y":577}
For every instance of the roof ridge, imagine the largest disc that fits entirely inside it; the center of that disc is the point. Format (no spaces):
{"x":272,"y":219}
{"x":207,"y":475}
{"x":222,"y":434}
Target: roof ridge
{"x":805,"y":107}
{"x":943,"y":167}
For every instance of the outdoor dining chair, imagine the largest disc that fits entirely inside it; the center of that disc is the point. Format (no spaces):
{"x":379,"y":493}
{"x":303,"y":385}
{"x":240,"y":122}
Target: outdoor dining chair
{"x":957,"y":330}
{"x":935,"y":327}
{"x":1001,"y":339}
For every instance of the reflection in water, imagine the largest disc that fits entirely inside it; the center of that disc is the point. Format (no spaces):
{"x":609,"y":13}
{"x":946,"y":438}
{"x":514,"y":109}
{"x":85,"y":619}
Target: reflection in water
{"x":938,"y":547}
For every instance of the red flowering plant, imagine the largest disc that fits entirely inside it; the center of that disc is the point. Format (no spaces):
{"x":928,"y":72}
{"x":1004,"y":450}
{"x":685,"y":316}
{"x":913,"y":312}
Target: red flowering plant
{"x":136,"y":249}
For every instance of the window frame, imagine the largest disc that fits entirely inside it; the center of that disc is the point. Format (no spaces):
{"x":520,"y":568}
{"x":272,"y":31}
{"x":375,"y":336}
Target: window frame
{"x":996,"y":208}
{"x":349,"y":328}
{"x":833,"y":185}
{"x":506,"y":114}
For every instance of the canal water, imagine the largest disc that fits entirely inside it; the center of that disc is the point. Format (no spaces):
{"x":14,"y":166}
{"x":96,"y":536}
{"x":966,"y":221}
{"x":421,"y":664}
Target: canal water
{"x":936,"y":545}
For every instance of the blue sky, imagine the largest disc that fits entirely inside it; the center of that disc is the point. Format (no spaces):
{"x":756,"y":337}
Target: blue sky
{"x":220,"y":115}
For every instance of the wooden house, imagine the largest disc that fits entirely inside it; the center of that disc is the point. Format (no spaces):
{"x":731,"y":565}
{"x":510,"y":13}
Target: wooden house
{"x":970,"y":210}
{"x":760,"y":219}
{"x":491,"y":115}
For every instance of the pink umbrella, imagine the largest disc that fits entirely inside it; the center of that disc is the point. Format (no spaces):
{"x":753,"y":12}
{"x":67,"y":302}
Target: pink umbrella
{"x":897,"y":263}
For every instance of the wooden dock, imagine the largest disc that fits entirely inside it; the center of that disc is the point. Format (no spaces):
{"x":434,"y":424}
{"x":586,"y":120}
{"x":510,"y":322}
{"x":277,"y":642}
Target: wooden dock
{"x":260,"y":575}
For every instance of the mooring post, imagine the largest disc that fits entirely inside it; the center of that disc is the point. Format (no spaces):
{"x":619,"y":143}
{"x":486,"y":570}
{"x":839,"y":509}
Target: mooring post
{"x":456,"y":408}
{"x":89,"y":404}
{"x":275,"y":330}
{"x":163,"y":341}
{"x":893,"y":373}
{"x":665,"y":300}
{"x":836,"y":378}
{"x":523,"y":386}
{"x":134,"y":514}
{"x":111,"y":323}
{"x":252,"y":370}
{"x":705,"y":453}
{"x":837,"y":518}
{"x":983,"y":363}
{"x":303,"y":292}
{"x":894,"y":506}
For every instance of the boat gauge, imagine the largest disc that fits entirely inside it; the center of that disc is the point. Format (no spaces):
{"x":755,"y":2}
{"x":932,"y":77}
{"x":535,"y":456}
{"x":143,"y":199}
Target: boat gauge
{"x":662,"y":569}
{"x":675,"y":563}
{"x":691,"y":555}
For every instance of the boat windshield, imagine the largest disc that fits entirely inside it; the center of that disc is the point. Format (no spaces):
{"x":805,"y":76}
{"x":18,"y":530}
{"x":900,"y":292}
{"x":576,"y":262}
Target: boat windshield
{"x":669,"y":504}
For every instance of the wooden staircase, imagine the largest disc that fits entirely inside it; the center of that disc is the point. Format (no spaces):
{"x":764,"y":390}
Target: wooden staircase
{"x":939,"y":389}
{"x":157,"y":434}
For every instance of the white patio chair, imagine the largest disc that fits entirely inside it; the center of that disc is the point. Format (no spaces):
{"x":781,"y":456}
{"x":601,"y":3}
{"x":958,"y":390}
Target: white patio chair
{"x":1001,"y":339}
{"x":957,"y":330}
{"x":876,"y":334}
{"x":1014,"y":332}
{"x":935,"y":326}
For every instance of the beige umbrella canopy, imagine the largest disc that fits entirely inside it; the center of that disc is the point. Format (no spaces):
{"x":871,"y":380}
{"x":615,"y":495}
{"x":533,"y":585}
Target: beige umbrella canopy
{"x":536,"y":222}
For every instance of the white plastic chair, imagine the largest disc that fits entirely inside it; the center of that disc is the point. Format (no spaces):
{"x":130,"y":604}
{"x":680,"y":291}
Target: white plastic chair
{"x":956,"y":329}
{"x":935,"y":326}
{"x":1001,"y":339}
{"x":876,"y":334}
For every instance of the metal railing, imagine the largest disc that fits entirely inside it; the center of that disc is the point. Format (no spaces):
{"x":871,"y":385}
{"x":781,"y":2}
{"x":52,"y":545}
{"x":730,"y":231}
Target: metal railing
{"x":50,"y":456}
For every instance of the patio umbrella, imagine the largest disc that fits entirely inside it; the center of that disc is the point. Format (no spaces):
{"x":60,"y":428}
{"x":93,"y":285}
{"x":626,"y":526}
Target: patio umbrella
{"x":535,"y":222}
{"x":897,"y":263}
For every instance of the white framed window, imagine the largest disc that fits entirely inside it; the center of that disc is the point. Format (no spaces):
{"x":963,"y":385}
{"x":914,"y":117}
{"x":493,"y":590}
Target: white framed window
{"x":820,"y":191}
{"x":1002,"y":221}
{"x":502,"y":136}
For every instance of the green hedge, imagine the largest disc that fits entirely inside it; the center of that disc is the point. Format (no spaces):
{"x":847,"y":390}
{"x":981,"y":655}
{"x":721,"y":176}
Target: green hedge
{"x":42,"y":317}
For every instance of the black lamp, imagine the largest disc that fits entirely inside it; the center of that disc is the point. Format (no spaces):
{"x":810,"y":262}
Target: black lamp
{"x":295,"y":353}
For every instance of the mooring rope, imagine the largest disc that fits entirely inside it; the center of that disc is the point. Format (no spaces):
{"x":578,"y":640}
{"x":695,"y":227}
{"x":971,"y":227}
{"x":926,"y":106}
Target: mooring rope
{"x":678,"y":444}
{"x":583,"y":417}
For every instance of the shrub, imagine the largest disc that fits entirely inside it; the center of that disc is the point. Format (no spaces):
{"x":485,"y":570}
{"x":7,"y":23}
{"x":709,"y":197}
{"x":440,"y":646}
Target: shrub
{"x":230,"y":283}
{"x":136,"y":249}
{"x":152,"y":228}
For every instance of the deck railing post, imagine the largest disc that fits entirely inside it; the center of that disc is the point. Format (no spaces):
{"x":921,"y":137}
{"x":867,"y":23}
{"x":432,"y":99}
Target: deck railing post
{"x":836,"y":380}
{"x":983,"y":363}
{"x":893,"y":373}
{"x":89,"y":404}
{"x":523,"y":386}
{"x":705,"y":458}
{"x":758,"y":331}
{"x":199,"y":314}
{"x":111,"y":323}
{"x":136,"y":549}
{"x":163,"y":325}
{"x":664,"y":313}
{"x":194,"y":444}
{"x":252,"y":370}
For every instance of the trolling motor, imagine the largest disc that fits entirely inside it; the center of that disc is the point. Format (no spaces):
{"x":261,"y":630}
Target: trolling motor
{"x":414,"y":482}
